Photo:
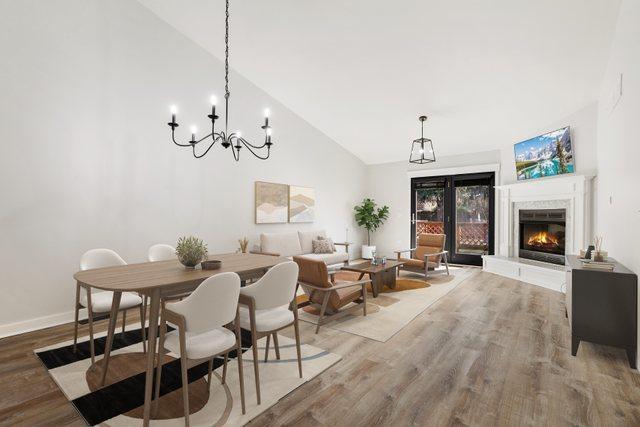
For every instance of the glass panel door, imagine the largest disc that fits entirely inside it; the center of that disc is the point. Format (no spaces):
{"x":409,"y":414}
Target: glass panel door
{"x":428,"y":207}
{"x":473,"y":228}
{"x":459,"y":206}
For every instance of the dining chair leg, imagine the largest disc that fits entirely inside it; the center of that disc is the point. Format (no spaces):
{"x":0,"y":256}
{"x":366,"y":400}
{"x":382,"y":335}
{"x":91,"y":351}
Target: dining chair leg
{"x":113,"y":319}
{"x":266,"y":350}
{"x":276,"y":346}
{"x":90,"y":315}
{"x":185,"y":380}
{"x":124,"y":321}
{"x":297,"y":332}
{"x":163,"y":331}
{"x":254,"y":348}
{"x":224,"y":368}
{"x":325,"y":300}
{"x":209,"y":374}
{"x":143,"y":327}
{"x":77,"y":314}
{"x":239,"y":358}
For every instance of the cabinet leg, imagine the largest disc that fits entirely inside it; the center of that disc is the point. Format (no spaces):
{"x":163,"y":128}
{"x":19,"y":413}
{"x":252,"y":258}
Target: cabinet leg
{"x":575,"y":342}
{"x":631,"y":355}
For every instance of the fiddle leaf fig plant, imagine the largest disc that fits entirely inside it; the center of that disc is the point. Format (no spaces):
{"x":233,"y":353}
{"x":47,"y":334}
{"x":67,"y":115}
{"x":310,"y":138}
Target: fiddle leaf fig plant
{"x":191,"y":251}
{"x":370,"y":216}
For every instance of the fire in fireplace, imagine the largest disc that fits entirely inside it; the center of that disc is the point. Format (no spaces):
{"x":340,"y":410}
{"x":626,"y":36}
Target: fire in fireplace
{"x":542,"y":235}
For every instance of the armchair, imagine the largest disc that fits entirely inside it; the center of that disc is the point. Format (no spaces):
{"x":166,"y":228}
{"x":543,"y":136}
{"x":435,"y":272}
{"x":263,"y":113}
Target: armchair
{"x":325,"y":292}
{"x":426,"y":256}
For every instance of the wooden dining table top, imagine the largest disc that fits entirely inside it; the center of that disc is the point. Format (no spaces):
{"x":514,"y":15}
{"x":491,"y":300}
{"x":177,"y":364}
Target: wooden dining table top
{"x":147,"y":276}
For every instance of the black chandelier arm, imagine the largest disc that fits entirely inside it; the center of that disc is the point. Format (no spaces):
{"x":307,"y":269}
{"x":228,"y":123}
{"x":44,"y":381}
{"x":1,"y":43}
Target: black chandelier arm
{"x":216,"y":138}
{"x":248,"y":144}
{"x":249,"y":147}
{"x":173,"y":138}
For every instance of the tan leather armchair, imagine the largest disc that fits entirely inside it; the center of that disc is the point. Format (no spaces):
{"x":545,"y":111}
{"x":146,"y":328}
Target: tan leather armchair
{"x":426,"y":256}
{"x":323,"y":291}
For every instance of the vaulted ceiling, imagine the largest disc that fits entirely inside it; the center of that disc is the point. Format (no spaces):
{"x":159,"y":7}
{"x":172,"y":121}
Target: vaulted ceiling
{"x":487,"y":73}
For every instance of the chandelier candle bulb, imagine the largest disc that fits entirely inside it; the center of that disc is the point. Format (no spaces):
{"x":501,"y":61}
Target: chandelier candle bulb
{"x":266,"y":117}
{"x":193,"y":133}
{"x":174,"y":111}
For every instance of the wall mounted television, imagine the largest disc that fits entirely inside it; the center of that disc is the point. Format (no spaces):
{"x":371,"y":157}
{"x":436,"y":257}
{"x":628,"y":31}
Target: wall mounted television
{"x":545,"y":155}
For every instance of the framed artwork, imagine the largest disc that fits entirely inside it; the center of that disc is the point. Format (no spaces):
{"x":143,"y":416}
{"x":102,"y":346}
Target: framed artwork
{"x":271,"y":203}
{"x":302,"y":204}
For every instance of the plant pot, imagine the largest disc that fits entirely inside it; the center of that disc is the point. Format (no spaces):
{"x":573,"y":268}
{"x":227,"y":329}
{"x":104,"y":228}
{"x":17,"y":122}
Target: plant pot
{"x":367,"y":251}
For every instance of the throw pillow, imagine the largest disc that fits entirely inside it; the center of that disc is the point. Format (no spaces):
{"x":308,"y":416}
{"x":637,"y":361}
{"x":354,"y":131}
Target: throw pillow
{"x":323,"y":246}
{"x":333,"y":245}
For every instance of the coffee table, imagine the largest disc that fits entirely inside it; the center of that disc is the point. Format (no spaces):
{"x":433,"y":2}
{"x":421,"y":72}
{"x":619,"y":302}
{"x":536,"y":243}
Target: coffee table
{"x":380,"y":275}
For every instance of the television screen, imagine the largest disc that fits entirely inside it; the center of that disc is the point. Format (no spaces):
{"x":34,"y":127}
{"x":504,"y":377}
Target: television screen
{"x":545,"y":155}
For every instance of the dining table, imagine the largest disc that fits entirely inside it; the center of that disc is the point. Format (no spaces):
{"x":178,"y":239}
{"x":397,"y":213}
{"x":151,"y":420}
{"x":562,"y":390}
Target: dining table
{"x":158,"y":280}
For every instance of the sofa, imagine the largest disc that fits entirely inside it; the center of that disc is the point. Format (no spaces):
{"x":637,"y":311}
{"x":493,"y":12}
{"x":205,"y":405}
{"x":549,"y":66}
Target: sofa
{"x":299,"y":243}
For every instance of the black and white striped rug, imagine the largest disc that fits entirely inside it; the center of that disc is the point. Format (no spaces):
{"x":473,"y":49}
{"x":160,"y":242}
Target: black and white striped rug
{"x":121,"y":400}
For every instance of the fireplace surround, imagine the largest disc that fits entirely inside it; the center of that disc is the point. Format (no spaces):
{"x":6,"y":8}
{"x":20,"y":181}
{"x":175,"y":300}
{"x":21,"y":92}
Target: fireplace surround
{"x":542,"y":235}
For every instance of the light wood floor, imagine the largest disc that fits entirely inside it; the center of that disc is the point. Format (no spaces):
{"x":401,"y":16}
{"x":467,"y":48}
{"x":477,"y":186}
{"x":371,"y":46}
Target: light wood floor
{"x":492,"y":352}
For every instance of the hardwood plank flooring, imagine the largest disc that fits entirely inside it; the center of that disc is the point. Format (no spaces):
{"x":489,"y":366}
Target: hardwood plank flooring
{"x":493,"y":352}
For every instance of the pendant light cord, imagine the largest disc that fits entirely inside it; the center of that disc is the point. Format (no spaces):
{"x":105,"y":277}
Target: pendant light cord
{"x":226,"y":70}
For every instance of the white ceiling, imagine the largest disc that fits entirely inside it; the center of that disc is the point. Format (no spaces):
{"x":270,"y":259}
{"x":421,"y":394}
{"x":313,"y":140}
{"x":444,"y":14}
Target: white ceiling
{"x":487,"y":73}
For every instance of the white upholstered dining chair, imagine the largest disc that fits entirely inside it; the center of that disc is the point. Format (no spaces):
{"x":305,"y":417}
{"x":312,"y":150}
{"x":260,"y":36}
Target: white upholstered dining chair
{"x":201,"y":333}
{"x":99,"y":302}
{"x":161,"y":252}
{"x":268,"y":306}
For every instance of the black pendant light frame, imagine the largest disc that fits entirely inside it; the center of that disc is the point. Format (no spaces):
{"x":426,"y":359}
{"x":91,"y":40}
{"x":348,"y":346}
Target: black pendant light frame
{"x":423,"y":147}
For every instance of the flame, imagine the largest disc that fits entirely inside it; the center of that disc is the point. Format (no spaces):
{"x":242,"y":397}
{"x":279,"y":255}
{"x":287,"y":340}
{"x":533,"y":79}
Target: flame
{"x":542,"y":238}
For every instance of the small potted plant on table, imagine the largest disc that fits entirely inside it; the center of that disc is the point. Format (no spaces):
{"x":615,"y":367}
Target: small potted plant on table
{"x":191,"y":251}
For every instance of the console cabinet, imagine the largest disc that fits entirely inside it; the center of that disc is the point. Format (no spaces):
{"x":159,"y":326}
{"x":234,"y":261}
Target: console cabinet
{"x":602,"y":306}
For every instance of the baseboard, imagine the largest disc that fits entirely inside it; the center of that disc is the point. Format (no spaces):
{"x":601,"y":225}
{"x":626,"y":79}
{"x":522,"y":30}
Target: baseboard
{"x":30,"y":325}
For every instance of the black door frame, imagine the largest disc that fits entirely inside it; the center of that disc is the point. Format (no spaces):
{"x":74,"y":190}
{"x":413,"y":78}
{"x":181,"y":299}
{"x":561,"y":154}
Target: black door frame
{"x":449,"y":210}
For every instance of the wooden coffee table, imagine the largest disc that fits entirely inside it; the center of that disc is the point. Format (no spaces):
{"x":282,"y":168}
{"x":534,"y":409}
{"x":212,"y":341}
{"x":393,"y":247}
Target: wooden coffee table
{"x":380,"y":275}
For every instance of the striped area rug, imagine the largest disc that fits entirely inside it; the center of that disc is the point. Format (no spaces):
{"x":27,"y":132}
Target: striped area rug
{"x":120,"y":401}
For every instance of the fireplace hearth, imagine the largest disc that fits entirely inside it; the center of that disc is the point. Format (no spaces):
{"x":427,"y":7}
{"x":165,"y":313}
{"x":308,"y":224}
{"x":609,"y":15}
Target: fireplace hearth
{"x":542,"y":235}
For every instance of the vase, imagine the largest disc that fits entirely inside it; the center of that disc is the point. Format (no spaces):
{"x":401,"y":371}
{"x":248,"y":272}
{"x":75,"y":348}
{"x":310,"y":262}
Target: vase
{"x":367,"y":251}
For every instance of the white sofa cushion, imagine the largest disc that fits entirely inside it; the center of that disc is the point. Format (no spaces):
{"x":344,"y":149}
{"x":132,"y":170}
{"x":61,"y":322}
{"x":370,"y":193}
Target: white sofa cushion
{"x":306,"y":239}
{"x":329,"y":259}
{"x":284,"y":244}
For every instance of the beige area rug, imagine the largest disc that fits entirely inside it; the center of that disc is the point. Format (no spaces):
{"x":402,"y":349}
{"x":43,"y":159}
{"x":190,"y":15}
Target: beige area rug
{"x":392,"y":310}
{"x":119,"y":403}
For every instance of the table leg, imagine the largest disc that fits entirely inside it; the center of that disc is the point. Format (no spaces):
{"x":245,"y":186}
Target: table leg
{"x":154,"y":310}
{"x":376,"y":284}
{"x":113,"y":318}
{"x":390,"y":278}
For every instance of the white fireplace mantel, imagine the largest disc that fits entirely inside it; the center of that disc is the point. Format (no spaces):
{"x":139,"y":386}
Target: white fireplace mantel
{"x":573,"y":193}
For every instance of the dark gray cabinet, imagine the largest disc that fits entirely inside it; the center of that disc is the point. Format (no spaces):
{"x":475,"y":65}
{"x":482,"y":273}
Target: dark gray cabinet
{"x":602,"y":306}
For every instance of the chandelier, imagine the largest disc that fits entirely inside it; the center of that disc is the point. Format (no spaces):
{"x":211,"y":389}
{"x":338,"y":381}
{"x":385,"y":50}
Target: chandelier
{"x":233,"y":140}
{"x":422,"y":148}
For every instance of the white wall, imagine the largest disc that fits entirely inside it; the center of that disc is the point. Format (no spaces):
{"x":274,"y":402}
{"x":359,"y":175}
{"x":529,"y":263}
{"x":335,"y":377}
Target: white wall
{"x":618,"y":199}
{"x":86,"y":160}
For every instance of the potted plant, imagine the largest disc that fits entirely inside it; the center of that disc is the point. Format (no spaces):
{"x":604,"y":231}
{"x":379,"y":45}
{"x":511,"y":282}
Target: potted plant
{"x":191,"y":251}
{"x":369,"y":216}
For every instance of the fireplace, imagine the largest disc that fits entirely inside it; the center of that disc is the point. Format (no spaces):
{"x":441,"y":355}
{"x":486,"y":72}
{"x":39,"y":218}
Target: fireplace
{"x":542,"y":235}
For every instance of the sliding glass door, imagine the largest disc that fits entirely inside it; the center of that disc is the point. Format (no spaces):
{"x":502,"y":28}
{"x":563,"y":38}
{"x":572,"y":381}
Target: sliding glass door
{"x":460,"y":206}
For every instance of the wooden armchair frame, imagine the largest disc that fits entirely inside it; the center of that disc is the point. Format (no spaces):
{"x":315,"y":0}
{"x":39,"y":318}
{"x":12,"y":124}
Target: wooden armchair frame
{"x":411,"y":251}
{"x":327,"y":294}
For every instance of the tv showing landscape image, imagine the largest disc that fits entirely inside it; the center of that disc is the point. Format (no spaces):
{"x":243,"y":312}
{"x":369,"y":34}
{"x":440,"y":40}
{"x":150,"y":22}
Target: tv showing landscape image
{"x":545,"y":155}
